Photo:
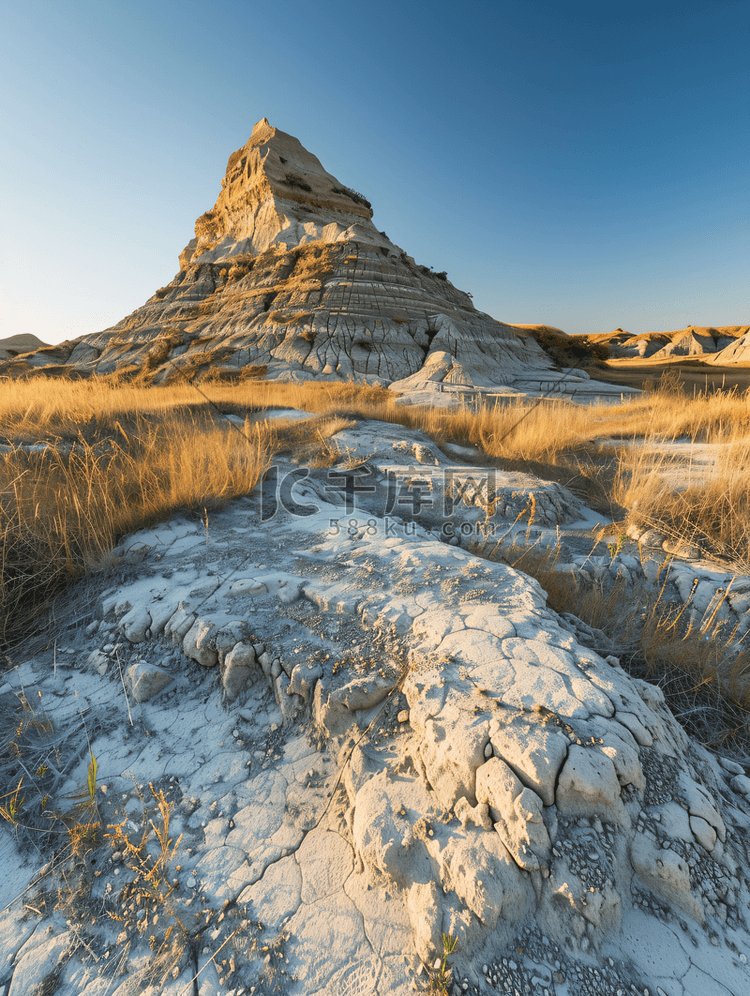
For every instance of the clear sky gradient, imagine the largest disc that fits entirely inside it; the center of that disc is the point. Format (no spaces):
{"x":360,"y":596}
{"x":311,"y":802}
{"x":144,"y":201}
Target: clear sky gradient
{"x":580,"y":164}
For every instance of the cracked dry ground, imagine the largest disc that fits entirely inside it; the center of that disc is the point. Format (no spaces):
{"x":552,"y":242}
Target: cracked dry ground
{"x":367,"y":738}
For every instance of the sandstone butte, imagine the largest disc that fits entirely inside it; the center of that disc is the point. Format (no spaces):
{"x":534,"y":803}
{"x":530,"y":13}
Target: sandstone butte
{"x":288,"y":278}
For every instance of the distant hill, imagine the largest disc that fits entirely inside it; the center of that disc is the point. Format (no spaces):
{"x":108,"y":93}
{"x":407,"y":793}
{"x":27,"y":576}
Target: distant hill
{"x":537,"y":328}
{"x":695,"y":340}
{"x":25,"y":342}
{"x":562,"y":348}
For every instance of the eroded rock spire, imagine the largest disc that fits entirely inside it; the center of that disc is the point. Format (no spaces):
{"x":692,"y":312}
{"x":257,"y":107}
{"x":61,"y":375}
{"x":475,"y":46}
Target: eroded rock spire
{"x":287,"y":275}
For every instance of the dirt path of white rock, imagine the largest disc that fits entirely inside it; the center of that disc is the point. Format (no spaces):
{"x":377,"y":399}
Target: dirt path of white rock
{"x":369,"y":738}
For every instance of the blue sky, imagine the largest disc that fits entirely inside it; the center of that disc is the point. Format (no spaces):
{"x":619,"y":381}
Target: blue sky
{"x":579,"y":164}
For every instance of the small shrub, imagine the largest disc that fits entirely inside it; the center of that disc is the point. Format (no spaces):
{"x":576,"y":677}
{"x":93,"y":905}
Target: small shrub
{"x":440,"y":974}
{"x":13,"y":804}
{"x":292,"y":180}
{"x":353,"y":195}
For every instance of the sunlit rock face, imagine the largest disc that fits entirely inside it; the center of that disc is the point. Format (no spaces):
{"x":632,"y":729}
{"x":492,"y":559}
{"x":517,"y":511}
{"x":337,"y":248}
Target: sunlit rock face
{"x":275,"y":192}
{"x":736,"y":350}
{"x":692,"y":343}
{"x":287,"y":277}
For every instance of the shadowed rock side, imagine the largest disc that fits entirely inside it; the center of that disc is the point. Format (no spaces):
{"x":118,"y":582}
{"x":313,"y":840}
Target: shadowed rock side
{"x":287,"y":277}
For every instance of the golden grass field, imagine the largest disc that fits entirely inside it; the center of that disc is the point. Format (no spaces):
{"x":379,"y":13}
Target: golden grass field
{"x":695,"y":375}
{"x":120,"y":455}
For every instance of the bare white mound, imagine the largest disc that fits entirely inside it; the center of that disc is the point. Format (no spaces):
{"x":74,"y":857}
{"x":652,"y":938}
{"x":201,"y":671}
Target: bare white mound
{"x":690,"y":344}
{"x":442,"y":370}
{"x":736,"y":351}
{"x":368,"y":739}
{"x":445,"y":380}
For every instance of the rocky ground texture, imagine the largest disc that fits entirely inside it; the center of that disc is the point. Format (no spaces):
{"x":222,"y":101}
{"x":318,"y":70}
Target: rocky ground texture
{"x":364,"y":737}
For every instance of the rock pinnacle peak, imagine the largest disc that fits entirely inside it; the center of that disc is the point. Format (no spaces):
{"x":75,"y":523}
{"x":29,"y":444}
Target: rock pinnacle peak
{"x":262,"y":125}
{"x":275,"y":192}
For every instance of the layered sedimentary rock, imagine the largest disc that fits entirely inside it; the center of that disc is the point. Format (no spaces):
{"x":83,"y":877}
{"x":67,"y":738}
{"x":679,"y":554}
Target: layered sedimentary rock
{"x":288,"y":277}
{"x":276,"y":193}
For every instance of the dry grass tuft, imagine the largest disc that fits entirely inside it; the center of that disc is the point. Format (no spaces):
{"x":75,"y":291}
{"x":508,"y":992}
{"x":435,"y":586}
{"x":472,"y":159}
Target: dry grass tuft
{"x":712,"y":511}
{"x":703,"y":671}
{"x":147,"y":906}
{"x":63,"y":509}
